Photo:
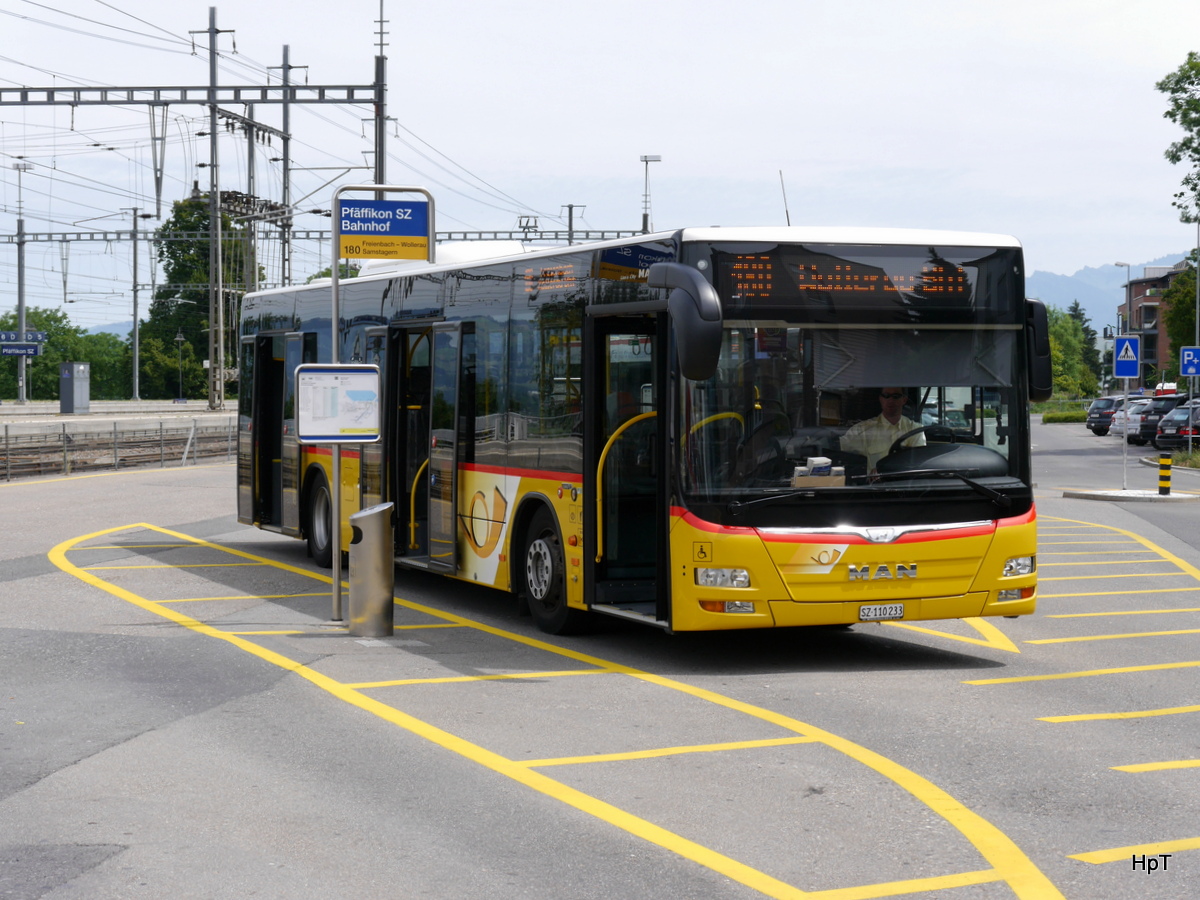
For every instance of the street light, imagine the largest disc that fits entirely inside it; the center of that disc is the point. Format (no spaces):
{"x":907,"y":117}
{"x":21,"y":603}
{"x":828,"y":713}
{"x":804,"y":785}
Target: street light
{"x":646,"y":160}
{"x":179,"y":341}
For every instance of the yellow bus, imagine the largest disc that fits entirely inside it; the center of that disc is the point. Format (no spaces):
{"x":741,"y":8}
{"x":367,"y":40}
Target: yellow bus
{"x":704,"y":429}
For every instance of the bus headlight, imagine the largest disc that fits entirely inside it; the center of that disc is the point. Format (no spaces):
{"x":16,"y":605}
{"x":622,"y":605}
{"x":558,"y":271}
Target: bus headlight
{"x":1020,"y":565}
{"x":735,"y":578}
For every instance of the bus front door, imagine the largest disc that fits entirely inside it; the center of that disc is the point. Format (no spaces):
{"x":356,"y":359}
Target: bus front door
{"x":269,"y":492}
{"x":625,"y":482}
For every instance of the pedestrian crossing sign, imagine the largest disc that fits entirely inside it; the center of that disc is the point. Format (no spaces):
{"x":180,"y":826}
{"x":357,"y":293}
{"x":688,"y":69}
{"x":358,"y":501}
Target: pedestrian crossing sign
{"x":1127,"y":356}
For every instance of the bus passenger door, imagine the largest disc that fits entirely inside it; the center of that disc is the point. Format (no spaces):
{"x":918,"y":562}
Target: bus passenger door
{"x":274,"y":453}
{"x":443,"y":448}
{"x":370,"y":456}
{"x":625,"y":478}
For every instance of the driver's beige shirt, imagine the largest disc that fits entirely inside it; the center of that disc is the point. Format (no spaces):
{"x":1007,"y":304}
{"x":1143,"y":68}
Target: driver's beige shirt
{"x":874,"y":437}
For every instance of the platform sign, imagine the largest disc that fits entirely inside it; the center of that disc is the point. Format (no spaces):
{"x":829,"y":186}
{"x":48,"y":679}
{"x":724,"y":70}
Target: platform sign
{"x":337,"y":404}
{"x":20,"y":349}
{"x":1189,"y":361}
{"x":32,"y":337}
{"x":383,"y":229}
{"x":1127,"y":356}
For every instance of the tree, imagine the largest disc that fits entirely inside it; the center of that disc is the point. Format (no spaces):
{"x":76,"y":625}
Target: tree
{"x":1072,"y":378}
{"x":345,"y":270}
{"x":1179,"y":315}
{"x":181,"y":305}
{"x":1091,"y":353}
{"x":1182,"y":88}
{"x":64,"y":343}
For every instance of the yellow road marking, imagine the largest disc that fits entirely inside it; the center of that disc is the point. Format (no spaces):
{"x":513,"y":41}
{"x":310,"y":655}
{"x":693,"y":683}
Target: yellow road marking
{"x":664,"y":751}
{"x":1089,"y":553}
{"x":1123,"y":612}
{"x":1119,"y":854}
{"x":1160,"y":766}
{"x":1113,"y":637}
{"x":171,"y":566}
{"x":1141,"y":714}
{"x":1173,"y":590}
{"x":267,"y":632}
{"x":1086,"y":674}
{"x":992,"y":636}
{"x":1122,"y":575}
{"x":461,"y":679}
{"x":1101,"y":562}
{"x":247,"y":597}
{"x":1009,"y":863}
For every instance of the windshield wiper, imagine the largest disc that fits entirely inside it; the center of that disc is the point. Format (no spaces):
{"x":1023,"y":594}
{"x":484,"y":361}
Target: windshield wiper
{"x":1003,"y":501}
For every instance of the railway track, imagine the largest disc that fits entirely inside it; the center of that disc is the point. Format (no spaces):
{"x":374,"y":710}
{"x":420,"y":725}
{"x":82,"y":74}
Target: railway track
{"x":31,"y":450}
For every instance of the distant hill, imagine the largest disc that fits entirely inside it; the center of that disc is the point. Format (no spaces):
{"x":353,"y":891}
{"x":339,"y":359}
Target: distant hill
{"x":1099,"y":290}
{"x":120,"y":329}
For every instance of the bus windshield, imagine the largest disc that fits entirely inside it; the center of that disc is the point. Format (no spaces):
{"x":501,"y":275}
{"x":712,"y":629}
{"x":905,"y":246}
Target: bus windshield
{"x":855,"y":372}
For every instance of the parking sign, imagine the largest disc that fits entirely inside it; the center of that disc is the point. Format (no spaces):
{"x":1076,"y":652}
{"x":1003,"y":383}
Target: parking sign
{"x":1189,"y":361}
{"x":1127,"y":356}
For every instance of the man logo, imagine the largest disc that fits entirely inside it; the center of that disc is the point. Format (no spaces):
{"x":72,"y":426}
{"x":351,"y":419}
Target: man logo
{"x":882,"y":572}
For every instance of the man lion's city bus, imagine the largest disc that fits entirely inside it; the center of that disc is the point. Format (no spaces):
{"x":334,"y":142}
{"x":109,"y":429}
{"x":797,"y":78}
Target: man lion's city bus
{"x":656,"y":428}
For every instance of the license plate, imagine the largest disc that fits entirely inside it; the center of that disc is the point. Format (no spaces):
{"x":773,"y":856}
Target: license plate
{"x":1168,"y":431}
{"x":880,"y":611}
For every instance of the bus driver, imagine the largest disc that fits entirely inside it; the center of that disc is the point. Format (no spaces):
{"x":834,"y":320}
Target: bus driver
{"x":874,"y":437}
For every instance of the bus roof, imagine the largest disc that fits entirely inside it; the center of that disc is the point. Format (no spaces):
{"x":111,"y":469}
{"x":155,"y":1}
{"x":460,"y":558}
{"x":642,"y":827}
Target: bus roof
{"x":456,"y":256}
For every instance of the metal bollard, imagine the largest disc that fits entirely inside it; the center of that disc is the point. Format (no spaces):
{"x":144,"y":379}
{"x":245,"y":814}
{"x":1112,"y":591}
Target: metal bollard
{"x":372,"y":572}
{"x":1164,"y":474}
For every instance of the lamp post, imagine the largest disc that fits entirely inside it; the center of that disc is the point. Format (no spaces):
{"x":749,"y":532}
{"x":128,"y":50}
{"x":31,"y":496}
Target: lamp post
{"x":646,"y":160}
{"x":179,"y":340}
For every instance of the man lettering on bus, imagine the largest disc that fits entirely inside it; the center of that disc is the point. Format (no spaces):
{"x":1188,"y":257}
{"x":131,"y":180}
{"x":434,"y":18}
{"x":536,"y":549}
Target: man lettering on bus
{"x":874,"y":437}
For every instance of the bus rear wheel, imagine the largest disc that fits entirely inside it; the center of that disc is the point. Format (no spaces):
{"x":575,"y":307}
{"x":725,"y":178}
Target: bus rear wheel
{"x":319,"y":523}
{"x":544,"y":579}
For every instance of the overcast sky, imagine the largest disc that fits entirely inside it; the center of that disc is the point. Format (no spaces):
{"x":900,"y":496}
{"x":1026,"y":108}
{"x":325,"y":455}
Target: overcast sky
{"x":1037,"y":119}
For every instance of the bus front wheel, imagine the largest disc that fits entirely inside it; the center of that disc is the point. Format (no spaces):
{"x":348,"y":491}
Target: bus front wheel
{"x":544,"y":576}
{"x":319,"y":525}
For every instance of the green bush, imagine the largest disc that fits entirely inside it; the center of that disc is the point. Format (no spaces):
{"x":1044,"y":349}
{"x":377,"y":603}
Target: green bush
{"x":1074,"y":415}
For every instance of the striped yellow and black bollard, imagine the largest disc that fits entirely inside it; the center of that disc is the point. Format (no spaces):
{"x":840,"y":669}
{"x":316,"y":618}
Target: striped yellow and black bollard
{"x":1164,"y":474}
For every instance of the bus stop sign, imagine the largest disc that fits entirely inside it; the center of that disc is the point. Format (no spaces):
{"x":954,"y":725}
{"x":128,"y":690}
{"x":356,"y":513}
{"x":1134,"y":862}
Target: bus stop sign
{"x":1127,"y":356}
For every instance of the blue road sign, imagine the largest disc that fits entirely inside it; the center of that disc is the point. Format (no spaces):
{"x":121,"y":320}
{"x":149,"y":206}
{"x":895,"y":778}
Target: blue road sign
{"x":1127,"y":356}
{"x":1189,"y":360}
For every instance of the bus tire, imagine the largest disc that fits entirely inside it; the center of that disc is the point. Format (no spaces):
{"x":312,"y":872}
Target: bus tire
{"x":318,"y":522}
{"x":543,"y":578}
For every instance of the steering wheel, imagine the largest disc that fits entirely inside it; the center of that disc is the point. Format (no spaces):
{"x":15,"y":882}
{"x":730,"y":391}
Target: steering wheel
{"x":942,"y":431}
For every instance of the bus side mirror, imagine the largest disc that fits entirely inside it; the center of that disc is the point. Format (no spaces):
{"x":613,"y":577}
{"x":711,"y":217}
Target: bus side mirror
{"x":1037,"y":341}
{"x":695,"y":311}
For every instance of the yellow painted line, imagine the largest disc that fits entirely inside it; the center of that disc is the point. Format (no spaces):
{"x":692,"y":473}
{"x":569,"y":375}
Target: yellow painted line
{"x":1125,"y":575}
{"x":1141,"y":714}
{"x":665,"y":751}
{"x":137,"y":546}
{"x":1113,"y":637}
{"x":431,"y":625}
{"x":913,"y":886}
{"x":1173,"y":590}
{"x":268,"y":632}
{"x":1009,"y":863}
{"x":247,"y":597}
{"x":1123,"y":612}
{"x":992,"y":636}
{"x":1103,"y":562}
{"x":1160,"y":766}
{"x":1077,"y":543}
{"x":1184,"y":565}
{"x":464,"y":679}
{"x":1123,"y":854}
{"x":1090,"y":673}
{"x":1090,"y":553}
{"x":171,"y":566}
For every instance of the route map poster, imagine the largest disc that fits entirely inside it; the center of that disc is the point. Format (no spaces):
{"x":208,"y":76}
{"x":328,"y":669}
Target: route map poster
{"x":337,"y":404}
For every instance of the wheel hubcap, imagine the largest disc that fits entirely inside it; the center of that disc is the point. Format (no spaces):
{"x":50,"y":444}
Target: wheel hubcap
{"x":538,"y":569}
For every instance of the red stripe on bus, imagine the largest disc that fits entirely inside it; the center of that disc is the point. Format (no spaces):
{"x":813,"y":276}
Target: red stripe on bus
{"x":564,"y":477}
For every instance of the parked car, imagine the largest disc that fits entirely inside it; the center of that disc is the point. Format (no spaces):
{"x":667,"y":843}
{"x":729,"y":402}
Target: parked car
{"x":1100,"y":414}
{"x":1127,"y":421}
{"x":1178,"y":425}
{"x":1159,"y":407}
